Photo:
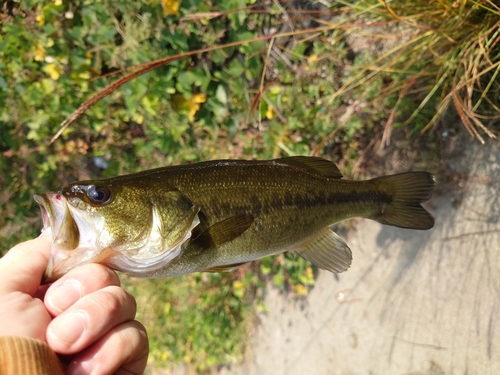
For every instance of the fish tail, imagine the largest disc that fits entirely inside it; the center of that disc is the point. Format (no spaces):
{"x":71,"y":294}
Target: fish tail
{"x":407,"y":191}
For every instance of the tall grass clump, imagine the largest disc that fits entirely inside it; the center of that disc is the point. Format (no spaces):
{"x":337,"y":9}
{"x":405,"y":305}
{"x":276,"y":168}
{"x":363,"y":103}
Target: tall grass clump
{"x":445,"y":54}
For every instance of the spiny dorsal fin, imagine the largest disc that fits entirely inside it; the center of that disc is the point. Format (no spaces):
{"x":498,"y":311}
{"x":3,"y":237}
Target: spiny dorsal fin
{"x":327,"y":251}
{"x":225,"y":268}
{"x":313,"y":164}
{"x":223,"y":231}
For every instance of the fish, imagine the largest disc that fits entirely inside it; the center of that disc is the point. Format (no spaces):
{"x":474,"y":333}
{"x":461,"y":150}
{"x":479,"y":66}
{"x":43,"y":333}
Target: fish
{"x":218,"y":215}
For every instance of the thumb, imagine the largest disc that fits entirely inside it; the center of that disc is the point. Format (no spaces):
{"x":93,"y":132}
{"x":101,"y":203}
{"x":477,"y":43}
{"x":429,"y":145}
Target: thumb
{"x":23,"y":266}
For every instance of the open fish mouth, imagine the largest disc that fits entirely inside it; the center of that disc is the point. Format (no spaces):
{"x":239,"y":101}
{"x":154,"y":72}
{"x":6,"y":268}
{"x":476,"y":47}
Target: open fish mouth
{"x":45,"y":215}
{"x":65,"y":232}
{"x":45,"y":208}
{"x":56,"y":215}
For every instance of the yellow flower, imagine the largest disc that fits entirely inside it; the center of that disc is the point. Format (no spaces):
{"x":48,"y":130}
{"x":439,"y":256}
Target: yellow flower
{"x":309,"y":273}
{"x":199,"y":98}
{"x":164,"y":356}
{"x":58,"y":2}
{"x":39,"y":52}
{"x":53,"y":70}
{"x":191,"y":106}
{"x":138,"y":118}
{"x":194,"y":105}
{"x":40,"y":19}
{"x":84,"y":75}
{"x":312,"y":59}
{"x":171,"y":7}
{"x":275,"y":89}
{"x":270,"y":113}
{"x":301,"y":290}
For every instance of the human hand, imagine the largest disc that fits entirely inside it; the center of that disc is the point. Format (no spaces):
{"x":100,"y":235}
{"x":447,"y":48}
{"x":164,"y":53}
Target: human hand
{"x":85,"y":316}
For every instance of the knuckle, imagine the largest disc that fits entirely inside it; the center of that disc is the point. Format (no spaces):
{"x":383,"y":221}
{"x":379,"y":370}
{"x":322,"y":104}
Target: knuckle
{"x":102,"y":275}
{"x":115,"y":300}
{"x":112,"y":302}
{"x":134,"y":337}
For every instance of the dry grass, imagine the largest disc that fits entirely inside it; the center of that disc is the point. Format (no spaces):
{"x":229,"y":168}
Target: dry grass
{"x":449,"y":55}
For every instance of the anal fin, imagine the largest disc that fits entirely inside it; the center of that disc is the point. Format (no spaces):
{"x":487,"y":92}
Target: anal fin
{"x":326,"y":251}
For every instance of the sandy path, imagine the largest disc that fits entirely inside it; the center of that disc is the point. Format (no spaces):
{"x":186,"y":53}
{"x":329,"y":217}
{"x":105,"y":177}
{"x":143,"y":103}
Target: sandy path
{"x":412,"y":303}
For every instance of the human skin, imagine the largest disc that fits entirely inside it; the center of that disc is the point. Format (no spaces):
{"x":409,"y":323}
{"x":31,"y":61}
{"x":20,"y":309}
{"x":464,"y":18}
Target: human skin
{"x":85,"y":317}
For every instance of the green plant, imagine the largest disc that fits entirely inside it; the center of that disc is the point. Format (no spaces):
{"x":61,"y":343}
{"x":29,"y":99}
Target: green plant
{"x":196,"y":319}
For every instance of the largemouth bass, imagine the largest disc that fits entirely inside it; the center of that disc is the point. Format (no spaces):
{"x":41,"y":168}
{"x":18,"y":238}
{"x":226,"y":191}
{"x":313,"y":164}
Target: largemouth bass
{"x":218,"y":215}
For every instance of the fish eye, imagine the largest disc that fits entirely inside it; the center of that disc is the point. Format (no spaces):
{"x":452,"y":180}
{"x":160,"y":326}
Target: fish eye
{"x":98,"y":195}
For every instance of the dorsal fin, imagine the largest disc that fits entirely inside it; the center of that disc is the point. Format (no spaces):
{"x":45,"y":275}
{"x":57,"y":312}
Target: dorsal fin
{"x":313,"y":164}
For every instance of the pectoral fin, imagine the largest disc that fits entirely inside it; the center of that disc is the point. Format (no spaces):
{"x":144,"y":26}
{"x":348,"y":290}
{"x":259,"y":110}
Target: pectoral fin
{"x":225,"y":268}
{"x":327,"y":251}
{"x":223,"y":232}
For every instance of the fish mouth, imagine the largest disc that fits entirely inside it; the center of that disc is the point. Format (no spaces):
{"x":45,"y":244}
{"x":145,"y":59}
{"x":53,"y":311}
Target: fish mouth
{"x":56,"y":215}
{"x":47,"y":210}
{"x":65,"y":233}
{"x":45,"y":215}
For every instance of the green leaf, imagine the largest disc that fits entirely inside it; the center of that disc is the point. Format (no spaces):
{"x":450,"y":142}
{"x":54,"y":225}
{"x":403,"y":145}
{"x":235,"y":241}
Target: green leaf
{"x":48,"y":86}
{"x":240,"y":293}
{"x":265,"y":269}
{"x":279,"y":280}
{"x":235,"y":68}
{"x":150,"y":105}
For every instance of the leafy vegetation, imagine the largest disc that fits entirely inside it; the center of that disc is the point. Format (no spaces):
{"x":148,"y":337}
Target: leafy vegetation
{"x":334,"y":82}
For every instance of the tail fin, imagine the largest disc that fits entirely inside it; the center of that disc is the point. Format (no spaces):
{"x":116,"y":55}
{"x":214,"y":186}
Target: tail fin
{"x":407,"y":190}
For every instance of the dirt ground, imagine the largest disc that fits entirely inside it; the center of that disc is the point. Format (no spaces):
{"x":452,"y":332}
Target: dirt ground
{"x":412,"y":303}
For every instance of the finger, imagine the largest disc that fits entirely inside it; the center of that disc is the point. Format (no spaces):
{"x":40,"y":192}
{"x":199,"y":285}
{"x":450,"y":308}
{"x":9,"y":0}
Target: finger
{"x":123,"y":350}
{"x":76,"y":284}
{"x":90,"y":318}
{"x":22,"y":315}
{"x":23,"y":266}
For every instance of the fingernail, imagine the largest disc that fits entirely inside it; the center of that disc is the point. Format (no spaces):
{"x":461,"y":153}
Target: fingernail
{"x":70,"y":327}
{"x":63,"y":296}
